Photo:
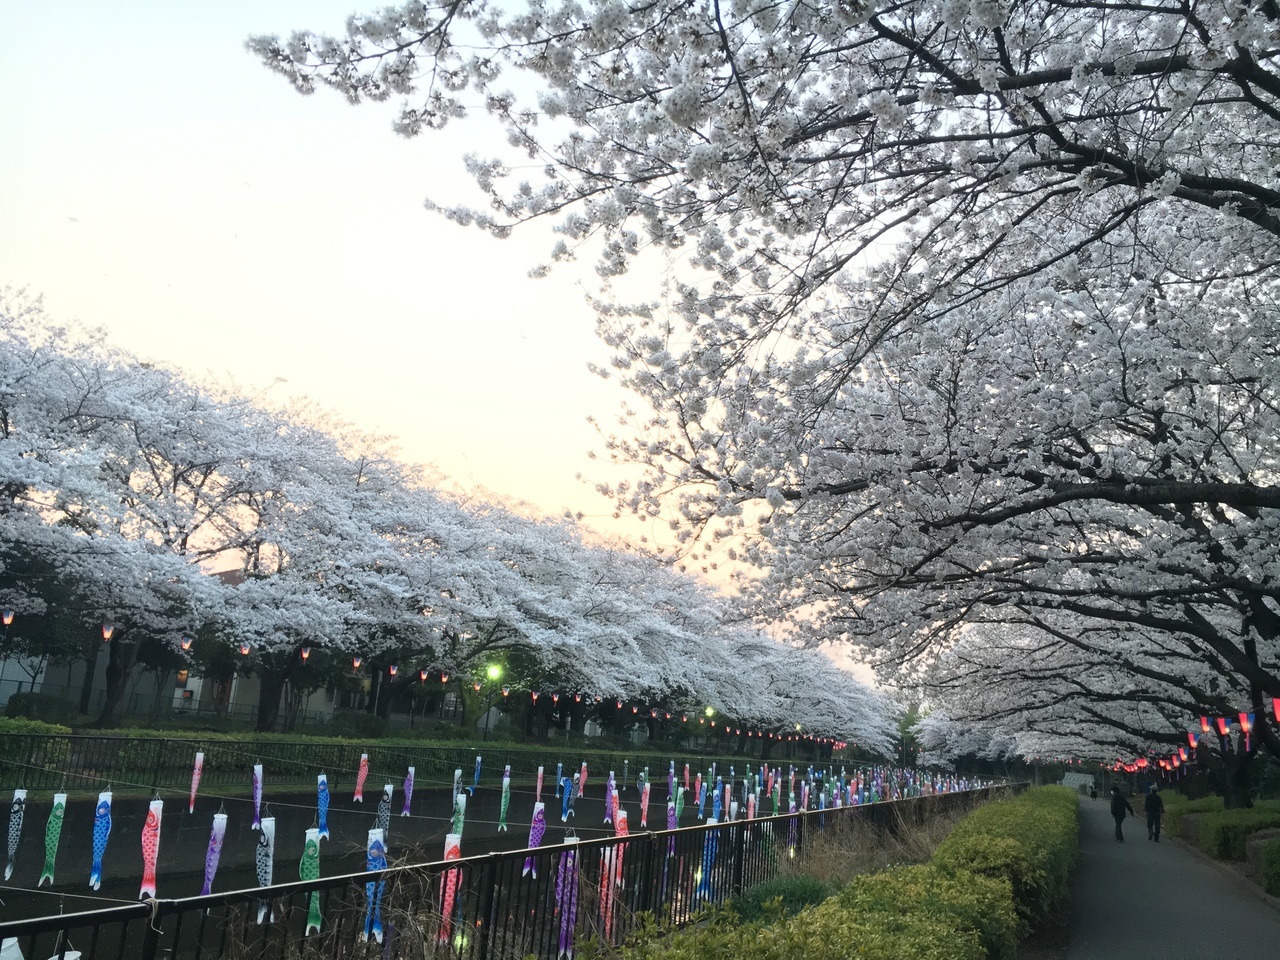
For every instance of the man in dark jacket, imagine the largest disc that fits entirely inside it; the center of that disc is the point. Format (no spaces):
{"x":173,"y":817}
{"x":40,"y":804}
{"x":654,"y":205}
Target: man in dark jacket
{"x":1118,"y":807}
{"x":1154,"y":806}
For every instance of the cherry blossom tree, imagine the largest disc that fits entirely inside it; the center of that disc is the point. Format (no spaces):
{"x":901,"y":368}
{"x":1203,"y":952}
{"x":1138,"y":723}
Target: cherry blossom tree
{"x":133,"y":483}
{"x":969,"y":336}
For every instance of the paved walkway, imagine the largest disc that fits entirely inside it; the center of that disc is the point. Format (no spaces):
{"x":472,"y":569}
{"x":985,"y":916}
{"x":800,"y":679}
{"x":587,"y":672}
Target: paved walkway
{"x":1140,"y":900}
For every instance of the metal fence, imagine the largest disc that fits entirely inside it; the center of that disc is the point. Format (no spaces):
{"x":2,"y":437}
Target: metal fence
{"x":72,"y":761}
{"x":503,"y":906}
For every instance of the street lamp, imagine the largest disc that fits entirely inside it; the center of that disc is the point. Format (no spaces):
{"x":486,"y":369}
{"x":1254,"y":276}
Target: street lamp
{"x":6,"y":617}
{"x":494,"y":673}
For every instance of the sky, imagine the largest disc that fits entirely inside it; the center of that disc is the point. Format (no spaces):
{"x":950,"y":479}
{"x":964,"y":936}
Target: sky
{"x":159,"y":183}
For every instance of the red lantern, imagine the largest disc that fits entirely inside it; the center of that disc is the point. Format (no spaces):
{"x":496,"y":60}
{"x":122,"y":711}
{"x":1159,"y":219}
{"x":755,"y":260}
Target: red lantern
{"x":1224,"y":726}
{"x":1193,"y":740}
{"x":1204,"y":724}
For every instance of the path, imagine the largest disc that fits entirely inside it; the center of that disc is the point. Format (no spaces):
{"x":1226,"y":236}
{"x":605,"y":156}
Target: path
{"x":1140,"y":900}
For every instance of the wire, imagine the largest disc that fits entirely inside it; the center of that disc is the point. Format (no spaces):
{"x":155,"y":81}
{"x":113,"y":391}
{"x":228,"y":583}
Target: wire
{"x":60,"y":893}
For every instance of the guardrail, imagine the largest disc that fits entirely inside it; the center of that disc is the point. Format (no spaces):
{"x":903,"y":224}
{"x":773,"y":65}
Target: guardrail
{"x":503,"y":906}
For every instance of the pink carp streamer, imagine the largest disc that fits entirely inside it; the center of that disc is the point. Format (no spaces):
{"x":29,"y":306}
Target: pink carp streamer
{"x":567,"y":899}
{"x":214,"y":853}
{"x":361,"y":774}
{"x":257,"y":797}
{"x":611,"y":874}
{"x":195,"y":781}
{"x":151,"y":848}
{"x":537,"y":830}
{"x":449,"y":886}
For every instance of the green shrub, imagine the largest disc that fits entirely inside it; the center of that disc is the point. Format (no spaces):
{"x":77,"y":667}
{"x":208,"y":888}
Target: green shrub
{"x":39,"y":706}
{"x":981,"y":903}
{"x":1032,"y":840}
{"x":1018,"y":855}
{"x":19,"y":725}
{"x":1223,"y":834}
{"x":828,"y":931}
{"x":20,"y":755}
{"x":1176,"y":807}
{"x":1271,"y":866}
{"x":781,"y":896}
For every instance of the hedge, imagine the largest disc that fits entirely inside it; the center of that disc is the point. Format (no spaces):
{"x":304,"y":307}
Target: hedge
{"x":17,"y":752}
{"x":1176,"y":806}
{"x":781,"y":895}
{"x":1003,"y":865}
{"x":1223,"y":834}
{"x":1032,"y":840}
{"x":1271,"y":866}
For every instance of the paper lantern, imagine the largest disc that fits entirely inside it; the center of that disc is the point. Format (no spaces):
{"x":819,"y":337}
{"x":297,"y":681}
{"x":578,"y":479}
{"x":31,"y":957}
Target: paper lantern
{"x":306,"y":653}
{"x":392,"y":669}
{"x":355,"y":662}
{"x":186,"y":642}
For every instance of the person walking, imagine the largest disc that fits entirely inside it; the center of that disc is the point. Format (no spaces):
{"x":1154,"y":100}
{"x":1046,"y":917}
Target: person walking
{"x":1093,"y":791}
{"x":1154,"y":806}
{"x":1118,"y":807}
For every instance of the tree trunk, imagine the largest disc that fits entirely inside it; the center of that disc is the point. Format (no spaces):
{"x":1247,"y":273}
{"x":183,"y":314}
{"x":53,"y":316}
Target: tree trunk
{"x":272,"y":678}
{"x":86,"y":682}
{"x":120,"y":660}
{"x":1235,"y":781}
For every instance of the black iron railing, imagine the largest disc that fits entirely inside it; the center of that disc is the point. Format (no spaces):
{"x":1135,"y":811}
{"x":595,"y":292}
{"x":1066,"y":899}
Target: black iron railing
{"x":503,"y":906}
{"x":49,"y":762}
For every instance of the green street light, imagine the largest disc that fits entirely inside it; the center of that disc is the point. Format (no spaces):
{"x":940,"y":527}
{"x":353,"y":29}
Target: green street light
{"x":494,"y":673}
{"x":710,"y":712}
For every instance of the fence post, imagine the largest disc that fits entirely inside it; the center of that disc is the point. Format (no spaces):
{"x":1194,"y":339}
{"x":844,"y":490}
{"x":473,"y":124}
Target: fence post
{"x":31,"y":754}
{"x":488,"y":882}
{"x":155,"y":767}
{"x":739,"y":856}
{"x":151,"y":933}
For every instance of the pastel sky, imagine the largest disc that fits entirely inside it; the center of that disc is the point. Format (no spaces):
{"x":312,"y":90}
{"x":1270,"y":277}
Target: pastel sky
{"x":160,"y":183}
